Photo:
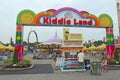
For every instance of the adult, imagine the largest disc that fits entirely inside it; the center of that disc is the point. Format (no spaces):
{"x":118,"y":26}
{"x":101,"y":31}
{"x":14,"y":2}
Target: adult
{"x":54,"y":56}
{"x":81,"y":59}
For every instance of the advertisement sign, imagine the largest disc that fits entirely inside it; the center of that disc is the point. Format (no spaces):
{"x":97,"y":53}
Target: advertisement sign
{"x":66,"y":33}
{"x":76,"y":36}
{"x":71,"y":36}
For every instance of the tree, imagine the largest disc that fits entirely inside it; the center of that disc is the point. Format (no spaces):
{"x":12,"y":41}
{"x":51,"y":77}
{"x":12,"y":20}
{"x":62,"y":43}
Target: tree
{"x":97,"y":43}
{"x":15,"y":57}
{"x":116,"y":56}
{"x":24,"y":43}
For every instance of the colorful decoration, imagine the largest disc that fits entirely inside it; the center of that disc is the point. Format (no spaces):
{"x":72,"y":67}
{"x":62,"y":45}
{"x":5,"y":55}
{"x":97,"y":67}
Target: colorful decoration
{"x":19,"y":50}
{"x":93,"y":17}
{"x":105,"y":20}
{"x":25,"y":17}
{"x":39,"y":15}
{"x":110,"y":48}
{"x":109,"y":36}
{"x":68,"y":17}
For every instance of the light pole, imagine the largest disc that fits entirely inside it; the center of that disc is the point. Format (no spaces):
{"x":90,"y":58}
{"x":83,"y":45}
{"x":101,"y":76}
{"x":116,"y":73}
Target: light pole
{"x":118,"y":14}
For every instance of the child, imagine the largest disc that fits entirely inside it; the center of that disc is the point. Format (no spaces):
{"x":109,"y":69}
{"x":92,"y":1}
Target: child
{"x":104,"y":64}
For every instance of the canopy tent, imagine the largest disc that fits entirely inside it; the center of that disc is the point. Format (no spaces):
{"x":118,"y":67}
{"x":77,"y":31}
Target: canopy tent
{"x":10,"y":48}
{"x":92,"y":48}
{"x":2,"y":47}
{"x":84,"y":48}
{"x":102,"y":47}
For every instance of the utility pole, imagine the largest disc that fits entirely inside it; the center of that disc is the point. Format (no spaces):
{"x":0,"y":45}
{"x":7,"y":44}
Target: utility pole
{"x":118,"y":13}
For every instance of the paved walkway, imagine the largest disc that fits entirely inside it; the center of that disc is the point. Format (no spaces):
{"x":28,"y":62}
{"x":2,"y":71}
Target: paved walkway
{"x":111,"y":75}
{"x":59,"y":75}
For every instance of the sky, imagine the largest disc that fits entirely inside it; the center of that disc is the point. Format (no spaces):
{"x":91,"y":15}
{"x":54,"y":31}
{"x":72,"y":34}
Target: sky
{"x":9,"y":10}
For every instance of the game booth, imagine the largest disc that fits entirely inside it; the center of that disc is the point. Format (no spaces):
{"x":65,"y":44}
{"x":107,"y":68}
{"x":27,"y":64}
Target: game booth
{"x":72,"y":44}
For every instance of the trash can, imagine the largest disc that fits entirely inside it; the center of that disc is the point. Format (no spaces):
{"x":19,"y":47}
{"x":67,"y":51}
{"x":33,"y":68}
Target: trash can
{"x":87,"y":64}
{"x":95,"y":68}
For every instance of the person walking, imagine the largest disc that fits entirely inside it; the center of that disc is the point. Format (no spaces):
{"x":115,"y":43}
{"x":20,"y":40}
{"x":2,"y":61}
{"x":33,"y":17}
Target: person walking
{"x":104,"y":64}
{"x":81,"y":59}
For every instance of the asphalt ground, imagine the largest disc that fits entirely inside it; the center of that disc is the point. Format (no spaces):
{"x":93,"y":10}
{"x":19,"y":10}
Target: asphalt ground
{"x":49,"y":72}
{"x":37,"y":69}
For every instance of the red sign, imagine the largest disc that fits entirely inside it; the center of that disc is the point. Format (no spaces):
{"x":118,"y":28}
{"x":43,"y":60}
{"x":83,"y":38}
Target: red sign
{"x":64,"y":21}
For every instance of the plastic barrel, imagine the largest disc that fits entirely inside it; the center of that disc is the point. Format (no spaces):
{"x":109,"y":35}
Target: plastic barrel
{"x":87,"y":64}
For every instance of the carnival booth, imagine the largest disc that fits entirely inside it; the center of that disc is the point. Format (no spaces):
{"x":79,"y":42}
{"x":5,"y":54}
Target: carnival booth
{"x":72,"y":44}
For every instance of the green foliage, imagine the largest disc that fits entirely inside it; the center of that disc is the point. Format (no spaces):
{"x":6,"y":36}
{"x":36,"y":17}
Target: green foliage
{"x":20,"y":64}
{"x":116,"y":57}
{"x":8,"y":62}
{"x":27,"y":61}
{"x":12,"y":43}
{"x":24,"y":43}
{"x":24,"y":62}
{"x":97,"y":43}
{"x":15,"y":58}
{"x":113,"y":62}
{"x":102,"y":57}
{"x":34,"y":57}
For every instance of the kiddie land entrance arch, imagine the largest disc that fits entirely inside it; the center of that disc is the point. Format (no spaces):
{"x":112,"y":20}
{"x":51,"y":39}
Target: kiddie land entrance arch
{"x":64,"y":17}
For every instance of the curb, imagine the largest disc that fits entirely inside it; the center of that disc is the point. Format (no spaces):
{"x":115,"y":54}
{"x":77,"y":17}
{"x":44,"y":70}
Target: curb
{"x":17,"y":69}
{"x":114,"y":65}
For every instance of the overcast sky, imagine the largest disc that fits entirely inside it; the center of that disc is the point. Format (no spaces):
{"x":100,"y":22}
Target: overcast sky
{"x":9,"y":9}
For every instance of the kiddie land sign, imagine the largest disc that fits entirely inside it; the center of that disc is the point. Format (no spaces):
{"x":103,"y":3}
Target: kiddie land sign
{"x":64,"y":17}
{"x":67,"y":18}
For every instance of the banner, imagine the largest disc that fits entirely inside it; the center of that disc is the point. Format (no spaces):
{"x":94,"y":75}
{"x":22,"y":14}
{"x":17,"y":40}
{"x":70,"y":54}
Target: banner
{"x":75,"y":36}
{"x":66,"y":33}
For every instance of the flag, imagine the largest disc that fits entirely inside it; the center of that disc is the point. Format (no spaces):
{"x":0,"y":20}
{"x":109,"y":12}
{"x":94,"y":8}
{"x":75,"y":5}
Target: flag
{"x":11,"y":40}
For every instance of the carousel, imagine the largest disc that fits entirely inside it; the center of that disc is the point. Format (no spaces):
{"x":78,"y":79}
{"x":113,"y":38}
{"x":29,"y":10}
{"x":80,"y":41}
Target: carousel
{"x":50,"y":46}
